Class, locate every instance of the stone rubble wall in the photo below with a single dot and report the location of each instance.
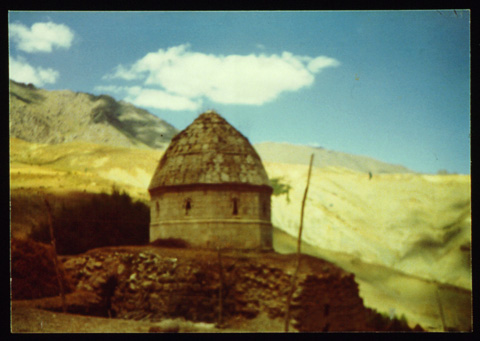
(149, 286)
(340, 309)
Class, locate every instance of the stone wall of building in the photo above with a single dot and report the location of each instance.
(207, 216)
(222, 233)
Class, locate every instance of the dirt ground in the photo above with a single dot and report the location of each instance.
(27, 319)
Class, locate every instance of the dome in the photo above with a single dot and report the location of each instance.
(209, 151)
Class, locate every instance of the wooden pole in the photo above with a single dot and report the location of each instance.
(55, 260)
(299, 245)
(440, 309)
(220, 290)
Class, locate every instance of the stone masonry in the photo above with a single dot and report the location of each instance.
(157, 285)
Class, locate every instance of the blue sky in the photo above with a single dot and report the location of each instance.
(393, 85)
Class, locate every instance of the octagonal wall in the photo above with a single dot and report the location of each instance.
(236, 216)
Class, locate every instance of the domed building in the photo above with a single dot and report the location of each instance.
(211, 189)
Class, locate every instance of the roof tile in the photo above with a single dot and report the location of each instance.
(209, 150)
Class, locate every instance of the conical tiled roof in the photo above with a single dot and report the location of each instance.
(209, 151)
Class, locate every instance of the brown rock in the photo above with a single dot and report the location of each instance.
(147, 284)
(120, 269)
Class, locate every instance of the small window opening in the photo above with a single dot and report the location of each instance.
(188, 206)
(235, 206)
(157, 207)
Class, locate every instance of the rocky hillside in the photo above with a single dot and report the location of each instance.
(296, 154)
(42, 116)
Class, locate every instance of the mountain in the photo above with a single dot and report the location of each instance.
(295, 154)
(42, 116)
(58, 116)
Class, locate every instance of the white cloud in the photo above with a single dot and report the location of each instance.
(41, 37)
(21, 71)
(234, 79)
(110, 88)
(153, 98)
(123, 73)
(160, 99)
(321, 62)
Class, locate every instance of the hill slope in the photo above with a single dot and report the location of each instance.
(295, 154)
(396, 232)
(419, 224)
(42, 116)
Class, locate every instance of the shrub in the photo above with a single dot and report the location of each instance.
(33, 271)
(280, 188)
(382, 322)
(104, 220)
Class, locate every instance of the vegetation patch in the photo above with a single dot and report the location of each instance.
(103, 220)
(383, 322)
(280, 188)
(33, 271)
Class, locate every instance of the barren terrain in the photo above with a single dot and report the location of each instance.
(39, 115)
(405, 236)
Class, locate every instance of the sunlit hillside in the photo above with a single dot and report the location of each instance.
(418, 224)
(300, 154)
(400, 234)
(81, 166)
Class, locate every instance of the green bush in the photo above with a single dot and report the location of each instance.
(104, 220)
(280, 188)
